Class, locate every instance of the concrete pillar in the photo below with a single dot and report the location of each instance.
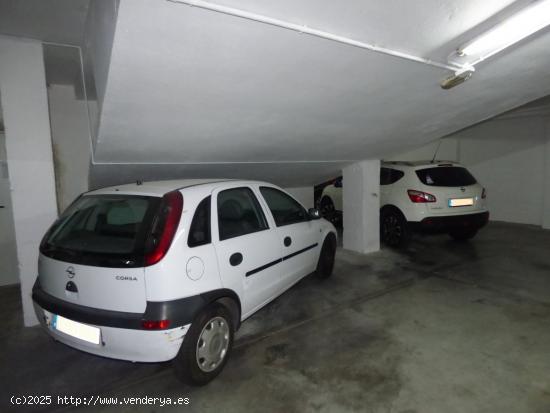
(29, 155)
(546, 179)
(361, 201)
(71, 143)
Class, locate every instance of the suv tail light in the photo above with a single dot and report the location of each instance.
(420, 197)
(484, 194)
(164, 227)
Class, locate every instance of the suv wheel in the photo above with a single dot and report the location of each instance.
(206, 346)
(463, 234)
(394, 230)
(325, 265)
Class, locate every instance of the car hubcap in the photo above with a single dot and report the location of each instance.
(212, 344)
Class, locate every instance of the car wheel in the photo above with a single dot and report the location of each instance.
(394, 230)
(327, 209)
(463, 234)
(325, 265)
(206, 346)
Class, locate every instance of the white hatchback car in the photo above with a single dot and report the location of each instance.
(424, 196)
(162, 270)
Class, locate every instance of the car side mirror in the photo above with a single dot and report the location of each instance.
(314, 213)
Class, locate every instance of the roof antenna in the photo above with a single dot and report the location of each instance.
(436, 150)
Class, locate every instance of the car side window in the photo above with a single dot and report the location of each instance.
(390, 176)
(285, 209)
(396, 175)
(199, 232)
(239, 213)
(385, 176)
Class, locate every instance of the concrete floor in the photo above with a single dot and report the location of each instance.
(443, 327)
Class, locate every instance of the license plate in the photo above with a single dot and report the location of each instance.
(75, 329)
(460, 202)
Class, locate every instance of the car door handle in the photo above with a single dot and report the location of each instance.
(287, 241)
(236, 259)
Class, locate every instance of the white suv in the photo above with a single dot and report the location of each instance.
(430, 197)
(161, 270)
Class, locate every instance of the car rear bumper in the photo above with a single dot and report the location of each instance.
(122, 335)
(121, 343)
(453, 222)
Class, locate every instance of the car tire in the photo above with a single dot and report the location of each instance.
(212, 331)
(463, 234)
(325, 265)
(394, 229)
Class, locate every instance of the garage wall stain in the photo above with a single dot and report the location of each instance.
(59, 172)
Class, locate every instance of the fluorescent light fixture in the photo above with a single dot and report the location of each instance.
(522, 24)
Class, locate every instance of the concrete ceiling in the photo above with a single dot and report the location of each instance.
(58, 21)
(206, 91)
(196, 93)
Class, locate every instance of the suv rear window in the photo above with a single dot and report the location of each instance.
(446, 176)
(102, 230)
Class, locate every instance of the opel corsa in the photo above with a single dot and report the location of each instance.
(168, 270)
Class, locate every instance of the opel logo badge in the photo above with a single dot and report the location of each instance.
(463, 189)
(70, 272)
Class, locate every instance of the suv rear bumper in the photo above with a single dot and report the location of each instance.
(447, 223)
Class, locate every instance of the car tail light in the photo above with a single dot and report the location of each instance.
(420, 197)
(155, 324)
(484, 194)
(164, 227)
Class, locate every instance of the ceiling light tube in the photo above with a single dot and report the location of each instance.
(510, 31)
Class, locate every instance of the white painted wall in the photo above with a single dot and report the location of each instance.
(29, 154)
(303, 194)
(361, 213)
(71, 143)
(509, 155)
(9, 272)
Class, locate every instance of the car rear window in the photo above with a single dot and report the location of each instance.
(102, 230)
(446, 176)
